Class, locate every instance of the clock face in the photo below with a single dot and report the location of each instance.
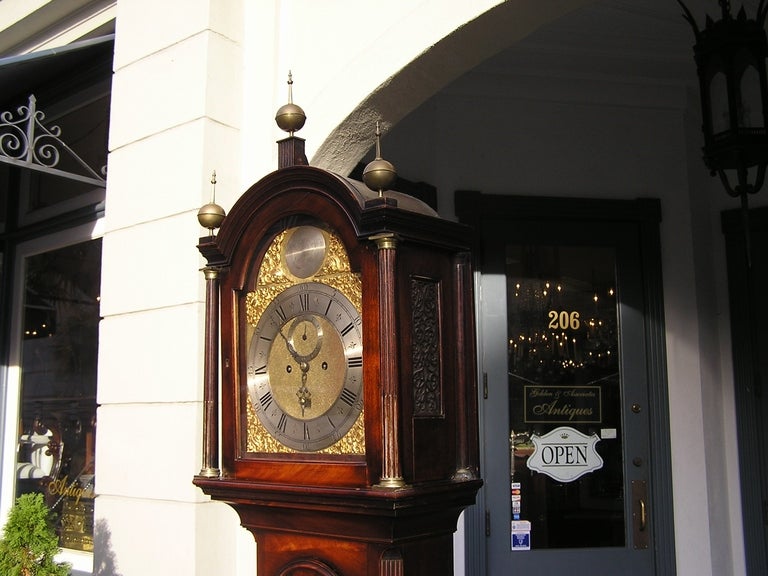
(305, 359)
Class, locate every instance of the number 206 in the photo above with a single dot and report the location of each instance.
(563, 320)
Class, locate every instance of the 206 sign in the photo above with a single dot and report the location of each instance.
(563, 320)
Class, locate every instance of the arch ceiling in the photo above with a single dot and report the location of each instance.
(583, 37)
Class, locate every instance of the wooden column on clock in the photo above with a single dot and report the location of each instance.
(348, 376)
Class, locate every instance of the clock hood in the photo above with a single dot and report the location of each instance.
(310, 191)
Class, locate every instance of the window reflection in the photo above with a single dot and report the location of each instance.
(58, 401)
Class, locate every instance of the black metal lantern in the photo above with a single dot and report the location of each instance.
(730, 56)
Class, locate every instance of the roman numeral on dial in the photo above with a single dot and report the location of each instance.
(266, 400)
(348, 397)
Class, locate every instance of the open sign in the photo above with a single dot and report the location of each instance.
(565, 454)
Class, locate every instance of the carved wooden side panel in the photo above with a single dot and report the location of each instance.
(427, 381)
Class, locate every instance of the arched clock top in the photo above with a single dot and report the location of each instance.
(347, 205)
(291, 193)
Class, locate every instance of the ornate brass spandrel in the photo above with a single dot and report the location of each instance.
(273, 278)
(260, 441)
(258, 300)
(348, 284)
(336, 260)
(272, 270)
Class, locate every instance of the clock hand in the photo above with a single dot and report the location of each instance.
(301, 358)
(287, 344)
(303, 393)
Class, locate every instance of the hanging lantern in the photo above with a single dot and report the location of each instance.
(730, 57)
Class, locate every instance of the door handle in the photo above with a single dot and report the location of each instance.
(640, 533)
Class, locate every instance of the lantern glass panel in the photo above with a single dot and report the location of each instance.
(750, 108)
(718, 99)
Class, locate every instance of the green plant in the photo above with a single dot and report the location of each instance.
(29, 541)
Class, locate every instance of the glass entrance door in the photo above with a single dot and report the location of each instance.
(564, 396)
(566, 433)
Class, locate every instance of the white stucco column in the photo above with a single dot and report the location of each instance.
(176, 109)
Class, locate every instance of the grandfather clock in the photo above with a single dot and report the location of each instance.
(348, 388)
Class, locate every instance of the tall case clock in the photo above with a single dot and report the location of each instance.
(347, 373)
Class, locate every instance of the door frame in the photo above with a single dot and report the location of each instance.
(749, 372)
(480, 210)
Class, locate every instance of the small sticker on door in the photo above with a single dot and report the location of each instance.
(521, 535)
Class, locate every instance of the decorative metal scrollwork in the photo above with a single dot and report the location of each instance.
(25, 141)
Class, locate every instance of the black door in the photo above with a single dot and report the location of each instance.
(748, 284)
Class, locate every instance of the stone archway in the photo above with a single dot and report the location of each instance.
(430, 70)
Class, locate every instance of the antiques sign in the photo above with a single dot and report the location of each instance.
(563, 404)
(564, 454)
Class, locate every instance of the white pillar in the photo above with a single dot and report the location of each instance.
(176, 115)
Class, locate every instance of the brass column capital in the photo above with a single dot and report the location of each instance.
(385, 240)
(211, 273)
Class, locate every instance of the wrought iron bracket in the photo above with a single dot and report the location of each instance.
(26, 142)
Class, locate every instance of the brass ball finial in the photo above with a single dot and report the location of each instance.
(290, 117)
(379, 174)
(211, 215)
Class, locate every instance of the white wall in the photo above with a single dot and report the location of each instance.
(358, 62)
(176, 113)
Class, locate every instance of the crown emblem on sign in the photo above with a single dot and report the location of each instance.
(564, 435)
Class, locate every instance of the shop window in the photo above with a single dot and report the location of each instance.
(51, 205)
(57, 421)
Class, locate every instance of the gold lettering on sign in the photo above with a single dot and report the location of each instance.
(555, 409)
(552, 404)
(63, 488)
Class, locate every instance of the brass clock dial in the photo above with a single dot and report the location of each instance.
(305, 359)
